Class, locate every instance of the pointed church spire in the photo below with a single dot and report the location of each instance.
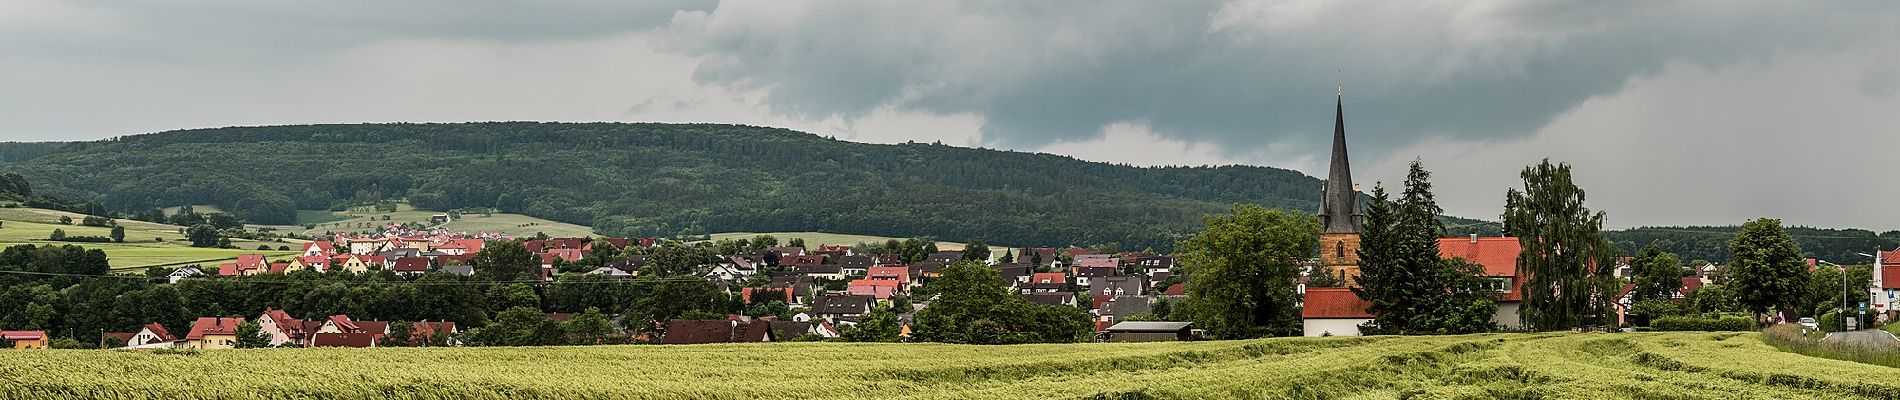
(1339, 203)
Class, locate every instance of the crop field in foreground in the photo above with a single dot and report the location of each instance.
(1557, 365)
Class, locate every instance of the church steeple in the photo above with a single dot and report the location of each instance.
(1339, 202)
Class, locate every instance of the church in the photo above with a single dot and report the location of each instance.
(1339, 214)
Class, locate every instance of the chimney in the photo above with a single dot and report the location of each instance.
(1474, 238)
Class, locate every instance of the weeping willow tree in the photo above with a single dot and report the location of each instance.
(1563, 246)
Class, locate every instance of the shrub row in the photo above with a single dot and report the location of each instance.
(1702, 324)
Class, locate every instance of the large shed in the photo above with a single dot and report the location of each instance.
(1149, 331)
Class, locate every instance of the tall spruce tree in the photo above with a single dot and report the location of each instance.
(1563, 245)
(1768, 272)
(1408, 286)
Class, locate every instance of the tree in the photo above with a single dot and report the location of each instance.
(251, 336)
(1009, 257)
(1768, 272)
(602, 252)
(877, 326)
(1657, 274)
(591, 327)
(798, 242)
(400, 334)
(203, 235)
(977, 251)
(520, 326)
(507, 260)
(973, 306)
(65, 220)
(118, 233)
(1243, 265)
(1563, 245)
(1824, 291)
(1408, 286)
(58, 235)
(519, 295)
(1714, 298)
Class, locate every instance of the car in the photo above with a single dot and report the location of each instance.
(1809, 323)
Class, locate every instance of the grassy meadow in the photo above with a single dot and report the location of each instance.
(363, 219)
(1676, 365)
(146, 244)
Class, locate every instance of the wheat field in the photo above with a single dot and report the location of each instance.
(1512, 366)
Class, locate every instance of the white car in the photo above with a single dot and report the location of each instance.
(1810, 323)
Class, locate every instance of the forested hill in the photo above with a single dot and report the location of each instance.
(659, 179)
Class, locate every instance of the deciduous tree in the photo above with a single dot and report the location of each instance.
(1242, 268)
(1768, 272)
(1563, 248)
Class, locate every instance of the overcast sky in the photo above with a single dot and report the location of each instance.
(1673, 112)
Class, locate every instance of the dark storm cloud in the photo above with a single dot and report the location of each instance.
(1238, 74)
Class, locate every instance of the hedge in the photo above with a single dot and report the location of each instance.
(1702, 324)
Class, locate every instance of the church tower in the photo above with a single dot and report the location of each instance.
(1339, 213)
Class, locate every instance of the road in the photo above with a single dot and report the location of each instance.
(1868, 337)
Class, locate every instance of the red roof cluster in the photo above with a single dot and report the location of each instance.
(213, 326)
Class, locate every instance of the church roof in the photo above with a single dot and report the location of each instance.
(1339, 202)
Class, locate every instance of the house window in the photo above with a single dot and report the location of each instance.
(1339, 250)
(1501, 285)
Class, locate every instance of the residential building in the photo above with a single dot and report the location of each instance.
(1498, 257)
(212, 333)
(26, 339)
(1333, 312)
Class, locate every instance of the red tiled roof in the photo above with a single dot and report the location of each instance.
(684, 331)
(279, 267)
(1334, 303)
(1890, 276)
(1890, 258)
(1498, 255)
(22, 335)
(411, 264)
(1048, 277)
(1176, 290)
(343, 340)
(902, 273)
(124, 337)
(213, 326)
(160, 331)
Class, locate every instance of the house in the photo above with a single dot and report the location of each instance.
(1153, 265)
(26, 339)
(1333, 312)
(212, 333)
(421, 331)
(1885, 288)
(1103, 261)
(925, 269)
(1051, 298)
(1084, 276)
(318, 248)
(800, 286)
(1118, 286)
(855, 265)
(1498, 256)
(898, 273)
(826, 272)
(459, 247)
(1044, 282)
(690, 331)
(1014, 275)
(1119, 307)
(313, 263)
(281, 328)
(804, 260)
(183, 273)
(837, 306)
(944, 256)
(410, 265)
(151, 336)
(1150, 331)
(764, 293)
(878, 288)
(359, 263)
(365, 245)
(246, 264)
(341, 331)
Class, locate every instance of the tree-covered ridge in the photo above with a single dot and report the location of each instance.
(1711, 243)
(664, 179)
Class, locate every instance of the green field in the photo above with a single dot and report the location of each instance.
(358, 220)
(142, 247)
(814, 239)
(1519, 366)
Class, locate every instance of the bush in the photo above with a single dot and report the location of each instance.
(83, 239)
(1702, 324)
